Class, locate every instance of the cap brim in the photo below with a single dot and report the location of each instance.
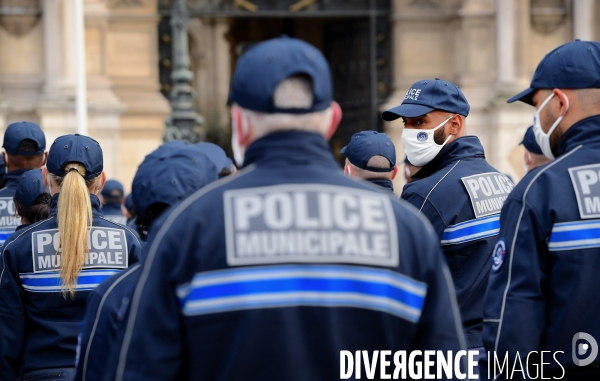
(525, 96)
(343, 150)
(405, 110)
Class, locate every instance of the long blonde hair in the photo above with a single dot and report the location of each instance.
(74, 221)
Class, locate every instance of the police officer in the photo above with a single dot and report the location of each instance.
(457, 190)
(32, 199)
(112, 198)
(129, 211)
(371, 156)
(51, 266)
(261, 274)
(533, 156)
(544, 284)
(24, 145)
(166, 176)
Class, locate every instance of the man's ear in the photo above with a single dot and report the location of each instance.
(563, 99)
(45, 158)
(336, 118)
(44, 175)
(242, 133)
(456, 123)
(394, 171)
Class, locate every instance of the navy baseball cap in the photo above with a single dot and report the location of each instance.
(216, 154)
(366, 144)
(427, 95)
(574, 65)
(530, 143)
(17, 132)
(75, 148)
(264, 66)
(30, 187)
(170, 175)
(113, 189)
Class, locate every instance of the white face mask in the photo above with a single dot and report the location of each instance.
(419, 145)
(542, 138)
(236, 149)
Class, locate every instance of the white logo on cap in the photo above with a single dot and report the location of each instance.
(413, 94)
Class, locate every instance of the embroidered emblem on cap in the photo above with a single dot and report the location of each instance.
(422, 136)
(498, 255)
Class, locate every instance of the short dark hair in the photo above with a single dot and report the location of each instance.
(28, 145)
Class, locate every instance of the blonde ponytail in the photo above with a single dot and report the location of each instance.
(74, 220)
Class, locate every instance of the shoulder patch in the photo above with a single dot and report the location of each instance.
(498, 255)
(309, 223)
(108, 249)
(487, 192)
(586, 183)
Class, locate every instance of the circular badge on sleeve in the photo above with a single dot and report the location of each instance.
(422, 136)
(498, 255)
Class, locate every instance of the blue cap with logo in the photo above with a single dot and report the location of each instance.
(169, 174)
(264, 66)
(216, 154)
(30, 187)
(75, 148)
(427, 95)
(113, 189)
(530, 143)
(366, 144)
(17, 132)
(574, 65)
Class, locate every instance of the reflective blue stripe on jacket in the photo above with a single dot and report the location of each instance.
(38, 325)
(440, 195)
(213, 317)
(546, 282)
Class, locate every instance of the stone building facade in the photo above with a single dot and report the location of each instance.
(490, 48)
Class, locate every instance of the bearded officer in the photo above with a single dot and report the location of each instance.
(457, 190)
(261, 274)
(544, 285)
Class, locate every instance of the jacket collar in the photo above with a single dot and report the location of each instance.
(586, 131)
(384, 183)
(291, 148)
(461, 148)
(96, 210)
(11, 179)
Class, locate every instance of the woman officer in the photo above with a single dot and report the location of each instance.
(51, 266)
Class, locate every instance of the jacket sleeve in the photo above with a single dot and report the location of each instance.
(152, 347)
(91, 311)
(515, 306)
(440, 326)
(427, 209)
(12, 319)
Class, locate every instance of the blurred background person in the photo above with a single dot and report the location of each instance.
(218, 156)
(533, 155)
(371, 156)
(112, 198)
(24, 146)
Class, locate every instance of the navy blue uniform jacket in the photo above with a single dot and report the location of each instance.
(466, 227)
(545, 278)
(269, 274)
(9, 219)
(38, 325)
